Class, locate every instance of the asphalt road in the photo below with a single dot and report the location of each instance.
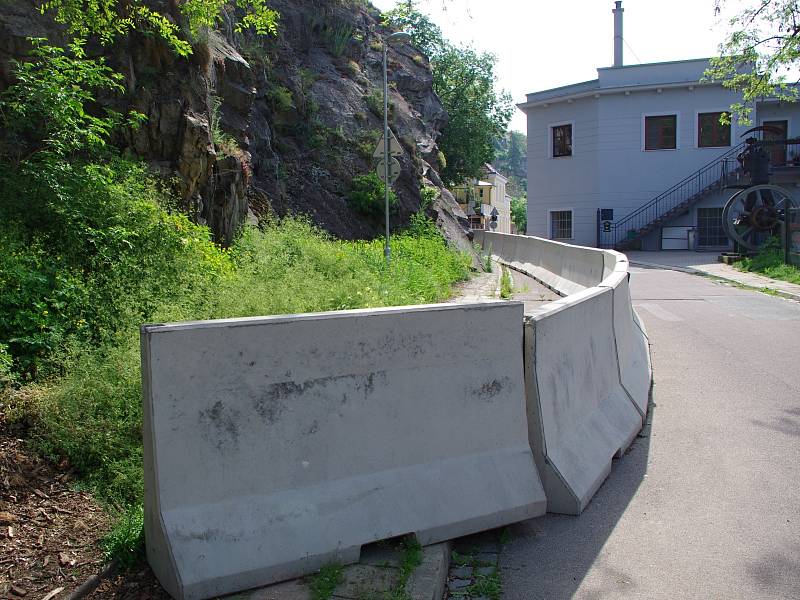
(707, 505)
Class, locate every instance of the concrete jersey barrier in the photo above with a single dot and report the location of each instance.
(579, 415)
(564, 268)
(276, 445)
(587, 364)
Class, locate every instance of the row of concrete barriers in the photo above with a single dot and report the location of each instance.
(587, 364)
(276, 445)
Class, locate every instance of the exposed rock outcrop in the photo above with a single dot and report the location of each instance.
(249, 125)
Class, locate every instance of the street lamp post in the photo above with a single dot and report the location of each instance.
(398, 37)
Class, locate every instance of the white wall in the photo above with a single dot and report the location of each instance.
(609, 167)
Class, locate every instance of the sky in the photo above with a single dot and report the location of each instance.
(541, 44)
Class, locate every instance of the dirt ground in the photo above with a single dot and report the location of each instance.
(50, 533)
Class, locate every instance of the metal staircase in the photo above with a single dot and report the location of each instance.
(677, 200)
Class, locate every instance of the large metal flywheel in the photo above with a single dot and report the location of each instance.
(755, 214)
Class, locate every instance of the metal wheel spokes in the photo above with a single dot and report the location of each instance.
(752, 215)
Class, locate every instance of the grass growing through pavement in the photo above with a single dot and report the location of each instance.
(487, 585)
(323, 583)
(506, 289)
(769, 262)
(410, 559)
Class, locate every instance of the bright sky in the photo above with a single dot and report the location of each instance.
(541, 44)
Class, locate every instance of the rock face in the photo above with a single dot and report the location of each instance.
(250, 125)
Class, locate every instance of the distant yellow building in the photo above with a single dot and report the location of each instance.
(482, 198)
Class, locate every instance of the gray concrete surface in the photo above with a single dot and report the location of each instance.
(705, 505)
(276, 445)
(705, 263)
(563, 267)
(579, 414)
(376, 576)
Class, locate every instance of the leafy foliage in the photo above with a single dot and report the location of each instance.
(769, 262)
(519, 213)
(761, 48)
(91, 249)
(50, 107)
(511, 158)
(465, 82)
(110, 19)
(368, 196)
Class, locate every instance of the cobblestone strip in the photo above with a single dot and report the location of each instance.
(474, 568)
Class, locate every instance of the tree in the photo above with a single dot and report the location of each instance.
(519, 213)
(759, 52)
(465, 82)
(511, 159)
(109, 19)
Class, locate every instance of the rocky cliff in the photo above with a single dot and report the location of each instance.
(251, 126)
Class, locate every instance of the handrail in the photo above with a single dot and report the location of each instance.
(709, 174)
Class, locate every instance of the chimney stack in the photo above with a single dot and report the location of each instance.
(618, 33)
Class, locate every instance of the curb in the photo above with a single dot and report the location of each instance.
(701, 273)
(428, 580)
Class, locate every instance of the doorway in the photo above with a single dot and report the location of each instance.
(777, 152)
(710, 232)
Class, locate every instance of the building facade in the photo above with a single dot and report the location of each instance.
(482, 198)
(642, 136)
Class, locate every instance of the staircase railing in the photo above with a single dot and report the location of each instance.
(714, 173)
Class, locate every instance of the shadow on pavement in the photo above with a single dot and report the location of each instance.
(548, 557)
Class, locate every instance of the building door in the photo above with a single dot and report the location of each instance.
(777, 153)
(709, 228)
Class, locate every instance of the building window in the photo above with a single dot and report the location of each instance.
(562, 140)
(661, 132)
(561, 224)
(710, 132)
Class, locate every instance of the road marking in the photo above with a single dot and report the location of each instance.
(659, 312)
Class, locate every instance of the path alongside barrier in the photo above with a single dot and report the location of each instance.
(276, 445)
(587, 364)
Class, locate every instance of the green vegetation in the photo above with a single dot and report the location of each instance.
(224, 143)
(506, 289)
(465, 81)
(368, 195)
(511, 159)
(411, 559)
(110, 19)
(93, 247)
(519, 213)
(337, 37)
(281, 98)
(324, 583)
(769, 262)
(761, 48)
(484, 584)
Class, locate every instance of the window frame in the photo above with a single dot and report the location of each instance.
(550, 212)
(697, 115)
(663, 113)
(551, 138)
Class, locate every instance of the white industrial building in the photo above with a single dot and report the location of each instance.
(639, 155)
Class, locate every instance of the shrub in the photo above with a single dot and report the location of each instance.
(367, 195)
(280, 98)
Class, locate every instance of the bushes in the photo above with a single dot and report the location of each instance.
(88, 252)
(368, 195)
(769, 262)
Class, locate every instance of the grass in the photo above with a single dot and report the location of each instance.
(323, 583)
(506, 288)
(92, 415)
(487, 585)
(769, 262)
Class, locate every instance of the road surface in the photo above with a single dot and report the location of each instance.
(707, 505)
